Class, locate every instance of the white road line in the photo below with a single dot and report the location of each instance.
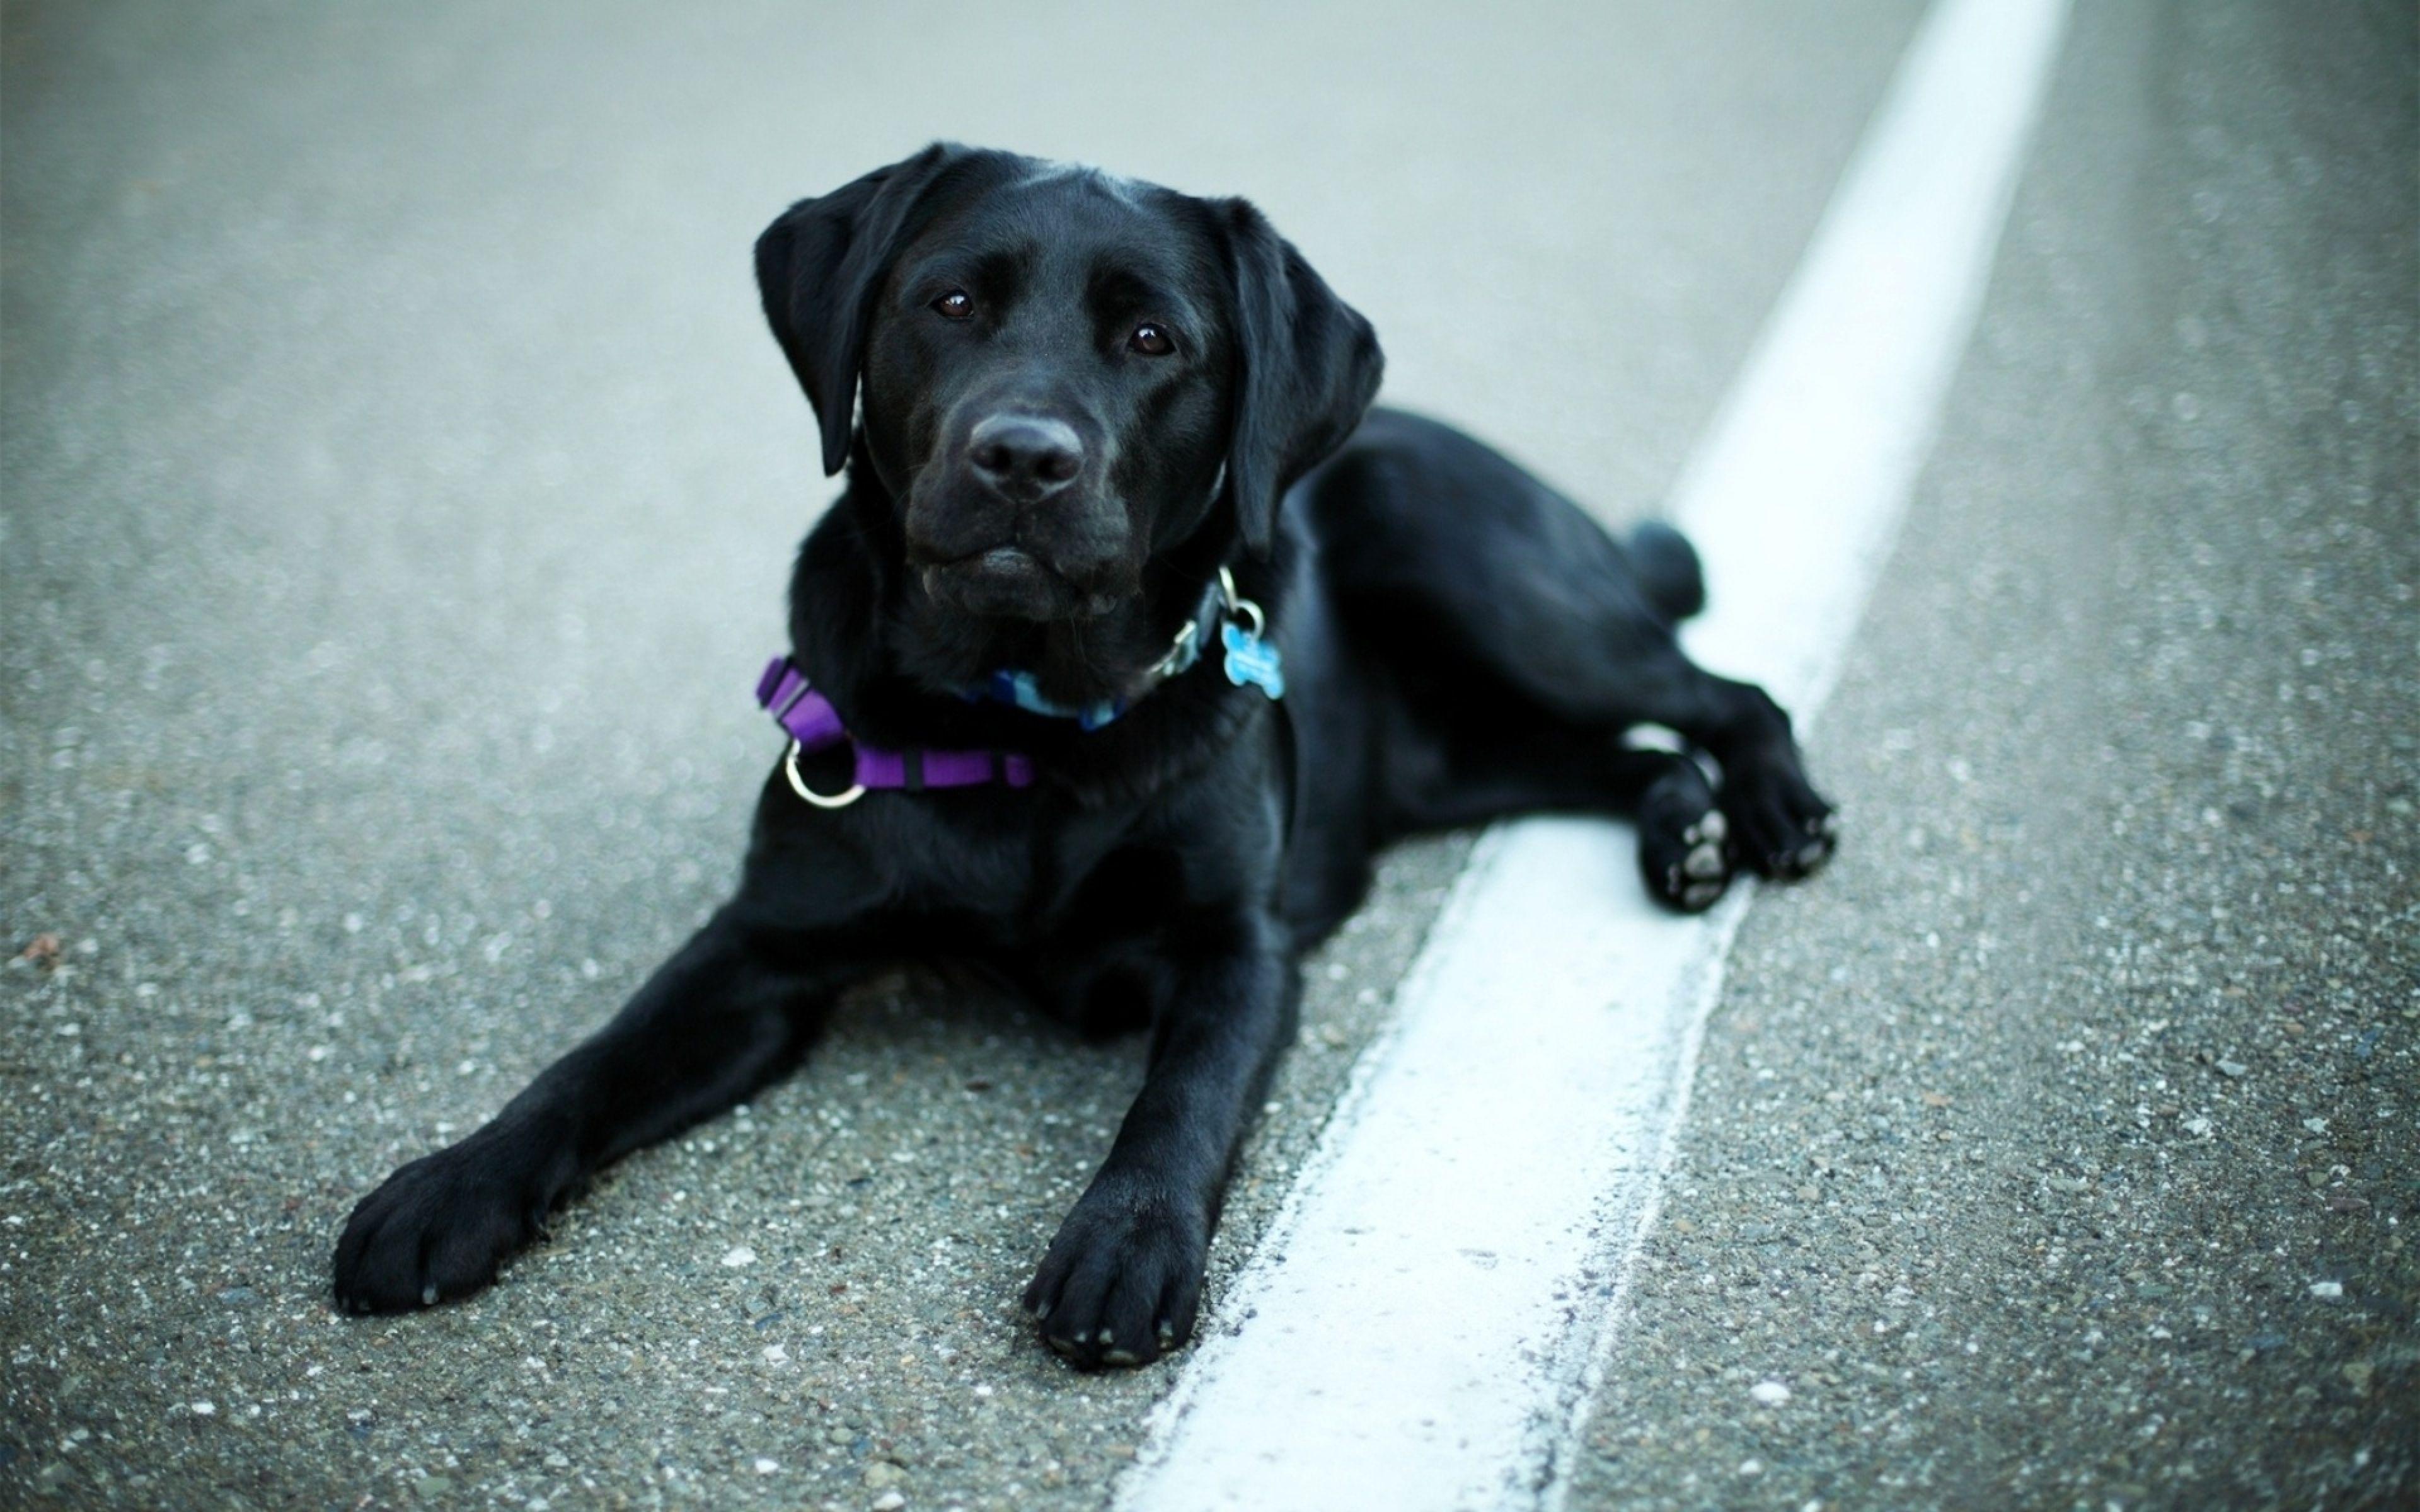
(1428, 1316)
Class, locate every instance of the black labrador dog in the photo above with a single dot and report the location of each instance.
(1134, 633)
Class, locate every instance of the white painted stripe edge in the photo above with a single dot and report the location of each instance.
(2034, 59)
(1782, 419)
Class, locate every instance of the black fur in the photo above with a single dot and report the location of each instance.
(1460, 642)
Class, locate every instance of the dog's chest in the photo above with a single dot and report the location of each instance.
(1029, 875)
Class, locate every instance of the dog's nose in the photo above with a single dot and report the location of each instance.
(1026, 456)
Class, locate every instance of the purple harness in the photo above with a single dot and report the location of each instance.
(813, 725)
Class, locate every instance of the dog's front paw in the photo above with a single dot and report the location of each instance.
(1779, 824)
(437, 1228)
(1123, 1280)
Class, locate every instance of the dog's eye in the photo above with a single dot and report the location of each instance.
(957, 304)
(1152, 341)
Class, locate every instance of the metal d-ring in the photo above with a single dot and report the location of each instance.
(799, 785)
(1179, 655)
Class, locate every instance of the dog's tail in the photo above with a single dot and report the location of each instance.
(1667, 569)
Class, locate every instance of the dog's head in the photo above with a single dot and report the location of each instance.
(1057, 367)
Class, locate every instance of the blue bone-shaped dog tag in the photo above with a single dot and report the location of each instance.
(1251, 659)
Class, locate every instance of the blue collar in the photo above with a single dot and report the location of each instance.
(1236, 620)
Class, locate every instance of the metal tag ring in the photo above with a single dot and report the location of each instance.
(1238, 604)
(799, 785)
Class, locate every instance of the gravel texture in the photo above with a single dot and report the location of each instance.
(2059, 1149)
(395, 492)
(396, 488)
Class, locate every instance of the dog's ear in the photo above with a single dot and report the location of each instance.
(1307, 368)
(818, 268)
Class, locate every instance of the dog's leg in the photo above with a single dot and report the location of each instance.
(731, 1011)
(1123, 1279)
(1776, 822)
(1458, 560)
(1469, 775)
(1543, 647)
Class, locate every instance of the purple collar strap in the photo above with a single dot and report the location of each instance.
(812, 724)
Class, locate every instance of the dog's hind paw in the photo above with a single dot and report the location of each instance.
(1780, 825)
(1683, 849)
(1703, 873)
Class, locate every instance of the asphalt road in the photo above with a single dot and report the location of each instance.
(2058, 1148)
(397, 489)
